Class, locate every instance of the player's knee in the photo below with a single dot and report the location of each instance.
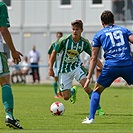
(99, 88)
(66, 98)
(88, 90)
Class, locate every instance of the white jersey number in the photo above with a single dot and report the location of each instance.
(116, 35)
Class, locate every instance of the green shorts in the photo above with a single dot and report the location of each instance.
(4, 68)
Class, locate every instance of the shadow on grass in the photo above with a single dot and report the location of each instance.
(119, 114)
(106, 114)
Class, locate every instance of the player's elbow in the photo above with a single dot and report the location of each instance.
(93, 59)
(4, 30)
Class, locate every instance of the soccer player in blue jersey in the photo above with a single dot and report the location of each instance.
(70, 47)
(118, 62)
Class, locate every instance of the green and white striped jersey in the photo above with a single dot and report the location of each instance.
(4, 21)
(70, 52)
(57, 61)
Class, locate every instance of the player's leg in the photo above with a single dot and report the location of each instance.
(89, 91)
(7, 96)
(7, 99)
(94, 103)
(65, 81)
(55, 85)
(73, 91)
(108, 76)
(127, 74)
(95, 99)
(59, 93)
(80, 76)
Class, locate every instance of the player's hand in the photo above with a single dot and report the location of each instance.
(16, 57)
(87, 83)
(50, 72)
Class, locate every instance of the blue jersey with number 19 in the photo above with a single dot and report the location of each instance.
(114, 41)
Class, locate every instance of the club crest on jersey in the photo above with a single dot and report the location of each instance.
(72, 53)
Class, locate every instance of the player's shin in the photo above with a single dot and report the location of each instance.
(72, 91)
(95, 98)
(90, 94)
(7, 98)
(55, 88)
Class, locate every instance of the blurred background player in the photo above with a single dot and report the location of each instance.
(57, 92)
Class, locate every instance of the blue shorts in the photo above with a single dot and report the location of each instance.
(109, 74)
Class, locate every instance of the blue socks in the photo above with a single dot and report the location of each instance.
(99, 107)
(95, 98)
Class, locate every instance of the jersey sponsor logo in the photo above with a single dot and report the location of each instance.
(72, 56)
(118, 51)
(72, 53)
(70, 60)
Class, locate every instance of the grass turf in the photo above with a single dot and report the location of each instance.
(32, 103)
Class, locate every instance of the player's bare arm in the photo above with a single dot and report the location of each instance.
(131, 39)
(93, 63)
(99, 64)
(8, 39)
(49, 56)
(51, 63)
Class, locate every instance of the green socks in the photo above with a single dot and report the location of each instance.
(55, 85)
(7, 99)
(90, 95)
(72, 91)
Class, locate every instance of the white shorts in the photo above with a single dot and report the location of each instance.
(65, 79)
(55, 72)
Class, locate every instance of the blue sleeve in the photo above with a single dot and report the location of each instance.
(129, 32)
(96, 41)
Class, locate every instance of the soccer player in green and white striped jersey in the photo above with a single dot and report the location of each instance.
(7, 95)
(57, 92)
(70, 47)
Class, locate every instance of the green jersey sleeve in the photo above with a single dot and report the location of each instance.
(51, 48)
(59, 46)
(4, 19)
(88, 48)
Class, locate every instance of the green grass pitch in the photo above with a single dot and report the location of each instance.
(32, 103)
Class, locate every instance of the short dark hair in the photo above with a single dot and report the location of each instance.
(77, 23)
(107, 17)
(61, 33)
